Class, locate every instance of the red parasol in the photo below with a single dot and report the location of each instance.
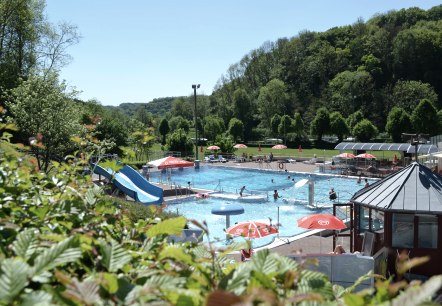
(170, 162)
(280, 146)
(252, 229)
(366, 156)
(213, 148)
(346, 155)
(321, 221)
(240, 146)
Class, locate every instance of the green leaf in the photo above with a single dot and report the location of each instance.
(56, 255)
(86, 293)
(25, 244)
(13, 279)
(265, 262)
(114, 256)
(36, 298)
(237, 283)
(40, 212)
(169, 227)
(110, 282)
(415, 295)
(176, 253)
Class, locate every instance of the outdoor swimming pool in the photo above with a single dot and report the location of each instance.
(231, 179)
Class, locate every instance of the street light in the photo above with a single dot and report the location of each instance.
(197, 164)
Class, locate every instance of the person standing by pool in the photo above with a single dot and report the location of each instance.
(242, 190)
(275, 195)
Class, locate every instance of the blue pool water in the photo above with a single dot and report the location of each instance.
(256, 182)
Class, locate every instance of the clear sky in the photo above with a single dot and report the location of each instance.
(138, 50)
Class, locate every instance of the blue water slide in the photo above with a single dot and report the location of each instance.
(106, 173)
(133, 184)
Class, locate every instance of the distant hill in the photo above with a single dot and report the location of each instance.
(158, 107)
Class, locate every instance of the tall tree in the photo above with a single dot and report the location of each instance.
(213, 126)
(365, 131)
(43, 108)
(298, 125)
(236, 129)
(398, 122)
(321, 123)
(164, 129)
(273, 98)
(29, 42)
(408, 94)
(424, 118)
(338, 126)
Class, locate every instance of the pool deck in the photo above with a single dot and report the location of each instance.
(308, 242)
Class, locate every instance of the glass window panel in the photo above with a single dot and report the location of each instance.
(363, 219)
(427, 232)
(378, 220)
(403, 230)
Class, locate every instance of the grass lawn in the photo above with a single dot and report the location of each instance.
(294, 153)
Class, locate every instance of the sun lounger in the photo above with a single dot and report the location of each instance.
(292, 161)
(310, 161)
(221, 159)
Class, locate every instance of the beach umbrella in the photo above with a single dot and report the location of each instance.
(280, 146)
(366, 156)
(170, 162)
(240, 146)
(213, 148)
(321, 221)
(346, 155)
(252, 229)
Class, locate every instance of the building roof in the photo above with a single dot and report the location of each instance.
(413, 189)
(406, 147)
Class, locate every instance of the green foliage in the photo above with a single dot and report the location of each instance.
(236, 129)
(226, 143)
(338, 126)
(408, 94)
(164, 129)
(364, 131)
(424, 118)
(179, 122)
(398, 122)
(321, 123)
(272, 99)
(43, 108)
(213, 126)
(354, 119)
(179, 141)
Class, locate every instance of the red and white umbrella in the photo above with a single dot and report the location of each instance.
(252, 229)
(170, 162)
(280, 146)
(366, 156)
(213, 148)
(321, 221)
(346, 155)
(240, 146)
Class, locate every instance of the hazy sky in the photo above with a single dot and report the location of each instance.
(138, 50)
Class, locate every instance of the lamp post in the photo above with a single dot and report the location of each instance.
(197, 162)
